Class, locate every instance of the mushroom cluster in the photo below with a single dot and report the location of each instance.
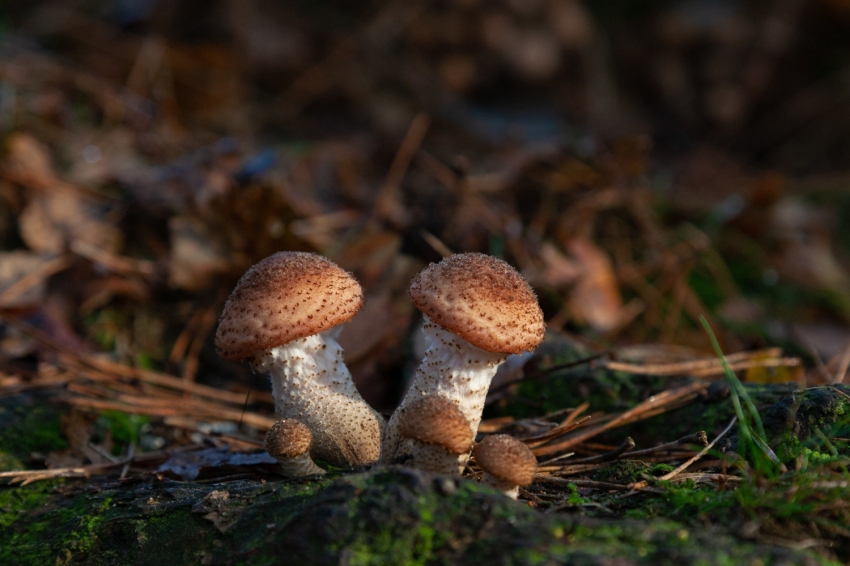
(477, 309)
(285, 315)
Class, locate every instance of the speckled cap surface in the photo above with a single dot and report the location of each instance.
(436, 420)
(481, 299)
(288, 439)
(506, 458)
(286, 296)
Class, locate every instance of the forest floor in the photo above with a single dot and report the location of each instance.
(663, 176)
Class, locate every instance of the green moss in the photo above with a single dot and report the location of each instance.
(553, 390)
(85, 518)
(661, 469)
(801, 425)
(27, 426)
(54, 533)
(104, 325)
(9, 463)
(711, 413)
(125, 429)
(16, 501)
(389, 516)
(177, 537)
(622, 471)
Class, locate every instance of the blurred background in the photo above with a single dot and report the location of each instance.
(641, 163)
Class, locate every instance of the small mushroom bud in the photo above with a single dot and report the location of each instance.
(288, 441)
(478, 309)
(285, 315)
(507, 463)
(438, 431)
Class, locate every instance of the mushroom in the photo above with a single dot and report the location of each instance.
(439, 433)
(288, 441)
(478, 310)
(285, 315)
(507, 463)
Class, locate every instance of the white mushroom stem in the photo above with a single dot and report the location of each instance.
(508, 488)
(311, 383)
(435, 458)
(453, 368)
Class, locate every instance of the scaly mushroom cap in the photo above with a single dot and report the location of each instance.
(286, 296)
(288, 439)
(506, 458)
(436, 420)
(481, 299)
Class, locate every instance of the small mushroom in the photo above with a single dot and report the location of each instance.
(439, 433)
(507, 463)
(288, 441)
(285, 315)
(478, 309)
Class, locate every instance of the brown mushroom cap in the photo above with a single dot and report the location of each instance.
(506, 458)
(481, 299)
(288, 438)
(436, 420)
(286, 296)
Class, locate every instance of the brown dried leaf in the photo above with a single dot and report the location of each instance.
(595, 299)
(76, 427)
(52, 221)
(558, 270)
(196, 257)
(16, 270)
(29, 156)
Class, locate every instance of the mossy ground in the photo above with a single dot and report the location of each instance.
(400, 516)
(389, 516)
(28, 424)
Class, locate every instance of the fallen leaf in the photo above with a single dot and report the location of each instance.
(21, 283)
(595, 299)
(52, 221)
(196, 258)
(558, 270)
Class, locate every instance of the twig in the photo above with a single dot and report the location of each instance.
(386, 202)
(701, 453)
(555, 459)
(113, 262)
(205, 326)
(597, 484)
(102, 453)
(655, 405)
(608, 456)
(576, 412)
(555, 432)
(109, 367)
(142, 406)
(40, 273)
(696, 438)
(436, 243)
(550, 370)
(577, 469)
(843, 366)
(30, 476)
(131, 452)
(706, 477)
(703, 368)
